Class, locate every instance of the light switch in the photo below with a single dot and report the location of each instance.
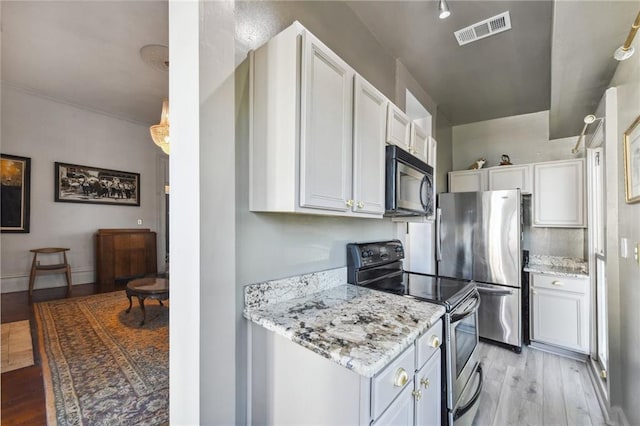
(139, 221)
(624, 248)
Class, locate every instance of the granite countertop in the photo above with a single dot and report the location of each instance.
(560, 266)
(357, 328)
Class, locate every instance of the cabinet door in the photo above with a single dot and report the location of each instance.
(369, 126)
(558, 194)
(510, 177)
(427, 387)
(560, 318)
(419, 145)
(468, 181)
(400, 412)
(326, 128)
(398, 126)
(432, 152)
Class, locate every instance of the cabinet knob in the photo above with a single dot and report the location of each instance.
(558, 283)
(435, 342)
(417, 394)
(401, 377)
(350, 203)
(534, 292)
(425, 382)
(360, 205)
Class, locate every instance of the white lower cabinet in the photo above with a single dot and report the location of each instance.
(560, 311)
(289, 384)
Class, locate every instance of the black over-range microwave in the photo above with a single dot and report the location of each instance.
(409, 188)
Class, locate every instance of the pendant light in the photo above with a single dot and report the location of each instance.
(443, 9)
(160, 131)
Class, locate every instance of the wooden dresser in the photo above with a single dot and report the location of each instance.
(123, 254)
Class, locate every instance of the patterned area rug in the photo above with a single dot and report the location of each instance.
(99, 366)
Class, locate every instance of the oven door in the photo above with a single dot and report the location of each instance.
(414, 190)
(462, 343)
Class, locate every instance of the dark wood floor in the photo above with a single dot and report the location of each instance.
(23, 400)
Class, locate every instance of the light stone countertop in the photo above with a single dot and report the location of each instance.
(556, 265)
(360, 329)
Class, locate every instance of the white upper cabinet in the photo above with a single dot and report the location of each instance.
(432, 152)
(398, 127)
(316, 138)
(326, 128)
(419, 143)
(468, 181)
(369, 127)
(511, 177)
(558, 194)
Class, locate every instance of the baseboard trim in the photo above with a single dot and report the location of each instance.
(621, 417)
(15, 282)
(559, 351)
(601, 394)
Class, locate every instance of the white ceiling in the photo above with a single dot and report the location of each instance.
(87, 53)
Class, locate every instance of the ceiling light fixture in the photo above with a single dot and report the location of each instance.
(160, 131)
(443, 9)
(626, 51)
(589, 119)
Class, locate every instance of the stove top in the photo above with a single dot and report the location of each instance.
(444, 291)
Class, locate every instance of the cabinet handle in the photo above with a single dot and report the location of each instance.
(417, 394)
(425, 382)
(558, 283)
(401, 378)
(435, 342)
(350, 203)
(360, 205)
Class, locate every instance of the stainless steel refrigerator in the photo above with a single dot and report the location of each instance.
(478, 237)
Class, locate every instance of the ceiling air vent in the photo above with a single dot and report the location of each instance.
(482, 29)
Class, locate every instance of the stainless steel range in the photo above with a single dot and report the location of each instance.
(378, 266)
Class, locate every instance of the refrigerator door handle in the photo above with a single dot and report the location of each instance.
(438, 239)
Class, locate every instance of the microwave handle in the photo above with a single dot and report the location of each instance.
(422, 203)
(438, 239)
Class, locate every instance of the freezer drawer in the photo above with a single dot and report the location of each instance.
(499, 315)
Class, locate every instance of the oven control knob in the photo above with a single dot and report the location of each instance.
(435, 342)
(401, 377)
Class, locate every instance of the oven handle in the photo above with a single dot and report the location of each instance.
(463, 410)
(459, 317)
(372, 280)
(438, 237)
(492, 292)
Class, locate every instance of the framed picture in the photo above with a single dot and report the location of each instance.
(15, 175)
(94, 185)
(632, 162)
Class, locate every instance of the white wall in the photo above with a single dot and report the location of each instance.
(525, 138)
(47, 131)
(624, 393)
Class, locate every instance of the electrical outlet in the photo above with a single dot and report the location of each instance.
(139, 221)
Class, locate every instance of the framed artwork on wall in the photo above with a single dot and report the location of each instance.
(15, 176)
(632, 162)
(94, 185)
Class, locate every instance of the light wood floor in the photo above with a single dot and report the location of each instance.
(535, 388)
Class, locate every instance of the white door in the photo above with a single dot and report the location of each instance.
(326, 128)
(558, 194)
(560, 318)
(398, 127)
(419, 144)
(427, 383)
(369, 127)
(400, 412)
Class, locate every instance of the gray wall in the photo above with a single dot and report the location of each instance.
(444, 136)
(525, 138)
(47, 130)
(404, 82)
(625, 392)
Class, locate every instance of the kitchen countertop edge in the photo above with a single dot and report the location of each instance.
(368, 366)
(555, 270)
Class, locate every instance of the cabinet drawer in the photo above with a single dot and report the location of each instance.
(388, 384)
(577, 285)
(428, 344)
